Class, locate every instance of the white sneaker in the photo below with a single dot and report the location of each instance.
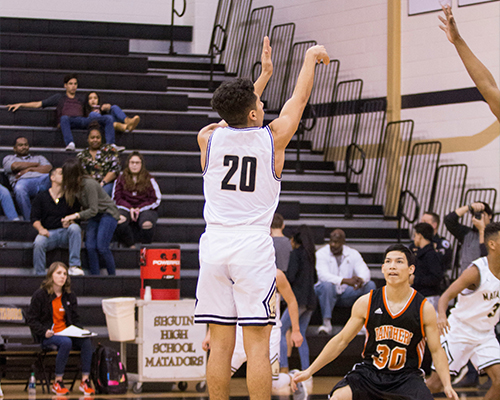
(70, 146)
(119, 149)
(75, 271)
(325, 329)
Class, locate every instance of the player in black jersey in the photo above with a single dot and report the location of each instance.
(398, 321)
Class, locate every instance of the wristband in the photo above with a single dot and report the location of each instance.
(471, 209)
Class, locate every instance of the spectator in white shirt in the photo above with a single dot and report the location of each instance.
(343, 277)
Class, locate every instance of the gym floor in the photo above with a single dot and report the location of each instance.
(322, 387)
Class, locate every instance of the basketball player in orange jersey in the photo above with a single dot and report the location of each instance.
(398, 322)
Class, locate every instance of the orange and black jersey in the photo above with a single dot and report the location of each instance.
(394, 343)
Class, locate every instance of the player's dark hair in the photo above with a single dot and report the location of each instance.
(490, 231)
(68, 77)
(425, 230)
(435, 217)
(304, 237)
(233, 100)
(278, 221)
(52, 171)
(402, 249)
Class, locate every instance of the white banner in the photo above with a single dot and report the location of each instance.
(424, 6)
(462, 3)
(172, 342)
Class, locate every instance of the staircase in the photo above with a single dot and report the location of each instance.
(171, 95)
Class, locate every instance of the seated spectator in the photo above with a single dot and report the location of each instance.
(137, 196)
(343, 277)
(428, 266)
(99, 160)
(9, 209)
(48, 209)
(471, 239)
(97, 208)
(69, 112)
(282, 245)
(28, 175)
(301, 275)
(52, 309)
(441, 244)
(122, 123)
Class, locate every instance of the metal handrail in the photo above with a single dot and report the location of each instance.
(402, 214)
(349, 158)
(175, 12)
(310, 110)
(215, 51)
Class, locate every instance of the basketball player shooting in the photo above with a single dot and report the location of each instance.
(242, 162)
(398, 322)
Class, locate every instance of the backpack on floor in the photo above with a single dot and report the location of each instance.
(107, 372)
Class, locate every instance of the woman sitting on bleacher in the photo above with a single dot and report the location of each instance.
(100, 160)
(137, 196)
(52, 309)
(122, 123)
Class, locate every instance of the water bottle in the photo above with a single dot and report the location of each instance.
(32, 386)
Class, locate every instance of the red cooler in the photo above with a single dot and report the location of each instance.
(161, 270)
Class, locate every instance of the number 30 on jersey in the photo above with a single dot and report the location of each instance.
(247, 173)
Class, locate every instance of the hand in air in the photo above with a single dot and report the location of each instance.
(265, 58)
(319, 53)
(449, 25)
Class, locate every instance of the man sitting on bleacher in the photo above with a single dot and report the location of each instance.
(69, 111)
(28, 174)
(343, 277)
(48, 210)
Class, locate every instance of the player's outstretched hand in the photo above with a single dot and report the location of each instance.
(449, 25)
(265, 58)
(442, 324)
(319, 53)
(450, 393)
(300, 377)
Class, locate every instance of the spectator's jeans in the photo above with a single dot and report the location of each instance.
(124, 231)
(115, 111)
(68, 123)
(99, 233)
(70, 237)
(64, 345)
(106, 121)
(26, 188)
(108, 188)
(328, 296)
(8, 206)
(286, 324)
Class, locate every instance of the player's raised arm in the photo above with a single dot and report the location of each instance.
(286, 124)
(286, 292)
(267, 68)
(339, 342)
(438, 354)
(470, 279)
(481, 76)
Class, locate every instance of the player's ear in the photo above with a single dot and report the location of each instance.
(252, 115)
(412, 269)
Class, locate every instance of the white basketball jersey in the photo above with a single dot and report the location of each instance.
(239, 181)
(479, 308)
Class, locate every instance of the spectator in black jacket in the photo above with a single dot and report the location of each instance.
(428, 267)
(52, 309)
(471, 239)
(441, 244)
(301, 274)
